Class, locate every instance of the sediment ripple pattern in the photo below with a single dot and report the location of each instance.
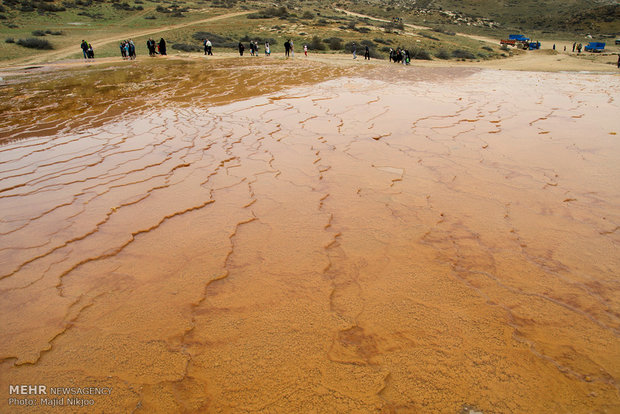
(445, 241)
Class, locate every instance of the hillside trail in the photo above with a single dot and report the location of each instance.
(418, 27)
(68, 51)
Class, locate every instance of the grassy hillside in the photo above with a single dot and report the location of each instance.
(61, 25)
(571, 16)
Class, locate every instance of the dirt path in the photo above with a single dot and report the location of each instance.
(68, 51)
(417, 27)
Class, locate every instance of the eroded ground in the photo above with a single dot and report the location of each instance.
(400, 240)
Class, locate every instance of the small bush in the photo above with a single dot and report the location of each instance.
(428, 36)
(420, 54)
(269, 13)
(382, 41)
(308, 15)
(463, 54)
(316, 44)
(334, 43)
(39, 33)
(49, 7)
(368, 43)
(487, 48)
(9, 40)
(150, 18)
(184, 47)
(444, 31)
(442, 54)
(33, 43)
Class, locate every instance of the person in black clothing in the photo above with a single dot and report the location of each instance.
(618, 60)
(84, 47)
(150, 45)
(132, 50)
(162, 47)
(287, 48)
(241, 49)
(367, 53)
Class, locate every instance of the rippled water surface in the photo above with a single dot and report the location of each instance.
(299, 238)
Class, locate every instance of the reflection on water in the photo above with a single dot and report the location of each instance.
(443, 241)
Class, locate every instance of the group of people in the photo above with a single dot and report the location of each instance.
(128, 50)
(87, 49)
(254, 48)
(289, 48)
(400, 56)
(156, 48)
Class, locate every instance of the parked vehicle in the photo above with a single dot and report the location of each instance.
(595, 47)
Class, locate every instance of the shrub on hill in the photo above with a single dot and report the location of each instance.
(463, 54)
(419, 54)
(316, 44)
(443, 54)
(334, 43)
(269, 13)
(184, 47)
(33, 43)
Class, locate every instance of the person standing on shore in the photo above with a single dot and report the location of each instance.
(204, 44)
(618, 60)
(241, 49)
(84, 47)
(132, 50)
(287, 48)
(306, 50)
(150, 44)
(367, 53)
(354, 50)
(574, 44)
(292, 48)
(209, 48)
(162, 47)
(267, 49)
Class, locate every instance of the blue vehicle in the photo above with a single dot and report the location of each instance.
(518, 38)
(534, 45)
(595, 47)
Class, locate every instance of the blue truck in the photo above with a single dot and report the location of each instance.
(595, 47)
(518, 38)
